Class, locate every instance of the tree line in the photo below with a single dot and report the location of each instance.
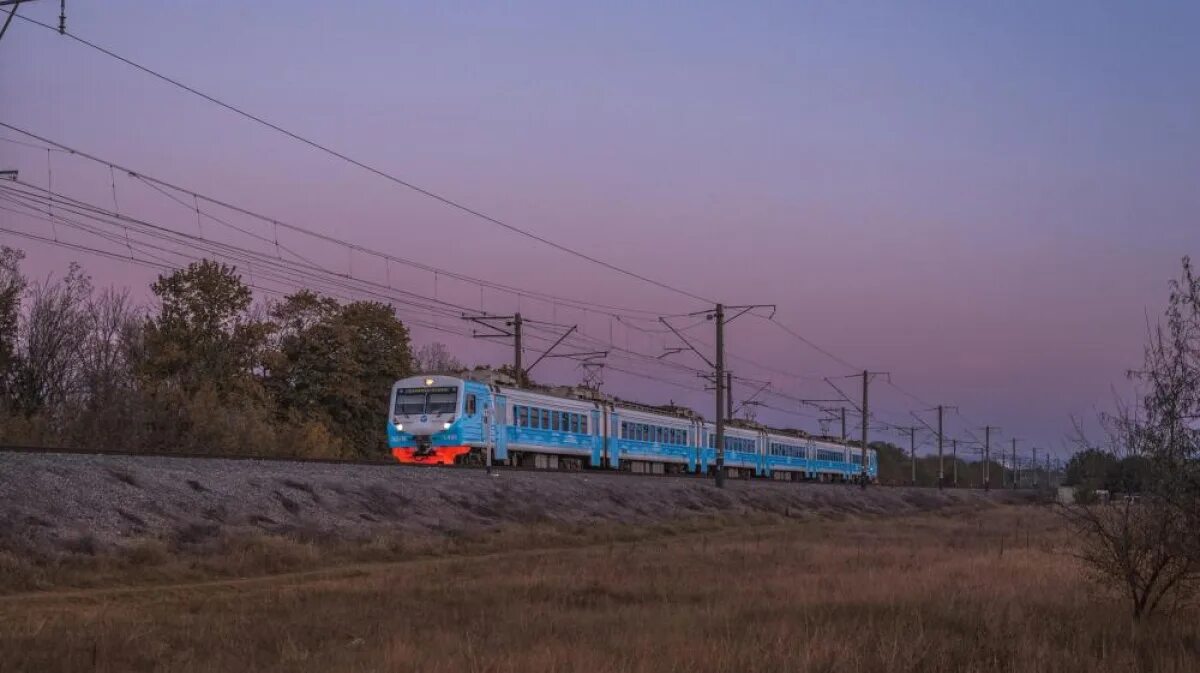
(204, 369)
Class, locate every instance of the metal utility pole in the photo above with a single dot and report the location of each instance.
(911, 431)
(517, 368)
(864, 410)
(941, 439)
(941, 462)
(866, 422)
(512, 329)
(841, 411)
(987, 456)
(1035, 469)
(717, 314)
(1016, 471)
(954, 456)
(62, 14)
(728, 394)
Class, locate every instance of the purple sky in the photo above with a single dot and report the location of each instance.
(985, 201)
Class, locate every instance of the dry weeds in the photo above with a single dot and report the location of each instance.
(968, 592)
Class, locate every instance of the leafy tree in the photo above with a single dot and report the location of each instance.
(203, 334)
(337, 363)
(1131, 474)
(1090, 469)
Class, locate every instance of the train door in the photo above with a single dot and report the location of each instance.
(613, 448)
(762, 455)
(596, 433)
(499, 426)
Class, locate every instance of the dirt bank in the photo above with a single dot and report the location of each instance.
(74, 503)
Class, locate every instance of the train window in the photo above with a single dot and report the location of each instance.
(833, 456)
(470, 410)
(522, 417)
(410, 402)
(442, 403)
(583, 424)
(556, 421)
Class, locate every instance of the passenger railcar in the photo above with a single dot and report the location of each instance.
(446, 420)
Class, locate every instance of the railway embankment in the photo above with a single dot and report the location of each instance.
(70, 503)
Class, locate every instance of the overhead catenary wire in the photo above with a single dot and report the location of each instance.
(445, 200)
(277, 222)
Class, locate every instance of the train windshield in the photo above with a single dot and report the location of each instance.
(410, 401)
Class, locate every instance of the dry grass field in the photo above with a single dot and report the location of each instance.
(956, 592)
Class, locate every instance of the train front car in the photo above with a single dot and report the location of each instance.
(434, 420)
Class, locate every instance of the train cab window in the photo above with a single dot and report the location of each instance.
(470, 406)
(442, 402)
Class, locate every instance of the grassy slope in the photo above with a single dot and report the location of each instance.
(983, 591)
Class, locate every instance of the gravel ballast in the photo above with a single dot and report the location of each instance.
(56, 502)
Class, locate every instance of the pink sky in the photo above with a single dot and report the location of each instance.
(985, 202)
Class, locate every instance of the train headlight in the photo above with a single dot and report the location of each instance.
(446, 426)
(399, 427)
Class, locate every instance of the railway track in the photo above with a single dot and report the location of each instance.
(392, 464)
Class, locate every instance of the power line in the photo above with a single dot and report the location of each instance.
(445, 200)
(161, 185)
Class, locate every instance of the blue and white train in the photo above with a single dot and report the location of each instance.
(446, 420)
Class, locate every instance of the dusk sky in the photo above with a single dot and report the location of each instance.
(985, 199)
